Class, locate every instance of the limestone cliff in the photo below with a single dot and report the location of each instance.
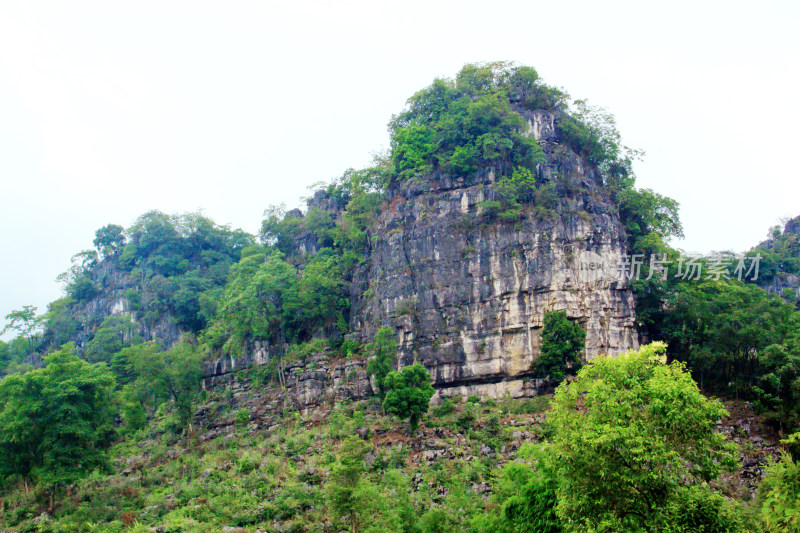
(466, 294)
(467, 297)
(780, 262)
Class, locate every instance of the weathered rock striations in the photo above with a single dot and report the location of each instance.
(780, 281)
(467, 295)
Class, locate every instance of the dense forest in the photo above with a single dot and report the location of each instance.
(108, 421)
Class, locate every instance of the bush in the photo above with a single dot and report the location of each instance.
(779, 494)
(563, 344)
(242, 418)
(249, 461)
(447, 408)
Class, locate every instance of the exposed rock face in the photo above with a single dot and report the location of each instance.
(316, 381)
(783, 280)
(467, 297)
(111, 300)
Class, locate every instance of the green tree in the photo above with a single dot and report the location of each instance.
(114, 333)
(61, 324)
(384, 349)
(408, 393)
(526, 497)
(172, 376)
(138, 392)
(648, 218)
(629, 433)
(109, 240)
(323, 292)
(719, 327)
(261, 302)
(56, 423)
(83, 289)
(777, 393)
(563, 346)
(344, 484)
(458, 126)
(25, 322)
(779, 495)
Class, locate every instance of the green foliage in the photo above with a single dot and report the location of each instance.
(242, 418)
(526, 497)
(267, 298)
(258, 303)
(510, 192)
(717, 327)
(182, 262)
(280, 229)
(384, 349)
(123, 362)
(457, 126)
(26, 324)
(83, 289)
(562, 348)
(56, 422)
(650, 219)
(115, 333)
(109, 240)
(77, 279)
(61, 324)
(324, 294)
(629, 433)
(408, 393)
(777, 392)
(592, 133)
(792, 445)
(779, 495)
(447, 408)
(172, 376)
(697, 508)
(343, 488)
(780, 254)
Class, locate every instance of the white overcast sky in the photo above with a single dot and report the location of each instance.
(110, 109)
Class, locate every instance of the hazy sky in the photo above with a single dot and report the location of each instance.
(110, 109)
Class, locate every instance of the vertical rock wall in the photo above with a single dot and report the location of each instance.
(467, 295)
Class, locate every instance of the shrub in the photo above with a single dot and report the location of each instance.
(563, 343)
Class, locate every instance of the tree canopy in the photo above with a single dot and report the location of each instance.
(56, 422)
(628, 435)
(408, 393)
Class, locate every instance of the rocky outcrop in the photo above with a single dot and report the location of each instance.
(113, 288)
(316, 381)
(784, 279)
(467, 295)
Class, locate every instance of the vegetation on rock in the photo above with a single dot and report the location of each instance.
(105, 424)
